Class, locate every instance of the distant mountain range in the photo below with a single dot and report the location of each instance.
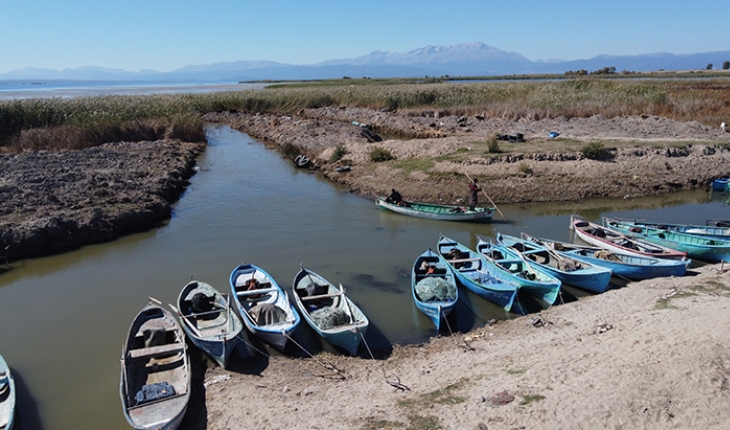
(467, 59)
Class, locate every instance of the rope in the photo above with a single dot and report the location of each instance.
(451, 333)
(362, 337)
(325, 365)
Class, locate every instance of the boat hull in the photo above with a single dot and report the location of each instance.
(436, 310)
(475, 276)
(277, 331)
(711, 250)
(438, 212)
(347, 336)
(215, 332)
(7, 396)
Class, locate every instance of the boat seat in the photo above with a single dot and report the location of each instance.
(261, 286)
(156, 351)
(256, 292)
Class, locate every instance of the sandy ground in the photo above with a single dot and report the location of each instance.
(651, 355)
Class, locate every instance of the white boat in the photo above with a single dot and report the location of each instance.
(155, 381)
(208, 320)
(7, 396)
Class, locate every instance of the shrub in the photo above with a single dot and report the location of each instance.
(594, 151)
(492, 144)
(340, 151)
(290, 150)
(379, 154)
(525, 169)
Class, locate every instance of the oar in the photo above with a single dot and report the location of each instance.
(490, 200)
(186, 321)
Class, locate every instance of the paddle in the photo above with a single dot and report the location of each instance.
(186, 321)
(490, 200)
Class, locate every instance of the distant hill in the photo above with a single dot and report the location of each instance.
(467, 59)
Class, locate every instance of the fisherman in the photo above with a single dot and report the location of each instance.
(394, 197)
(474, 190)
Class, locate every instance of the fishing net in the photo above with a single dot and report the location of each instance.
(435, 289)
(483, 278)
(327, 318)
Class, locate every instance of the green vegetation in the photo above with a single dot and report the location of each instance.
(83, 122)
(531, 398)
(379, 154)
(516, 371)
(339, 152)
(595, 151)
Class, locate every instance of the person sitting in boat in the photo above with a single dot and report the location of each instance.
(395, 198)
(252, 284)
(428, 268)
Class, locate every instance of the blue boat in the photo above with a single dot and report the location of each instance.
(508, 263)
(263, 305)
(328, 310)
(716, 232)
(433, 286)
(707, 249)
(473, 272)
(570, 271)
(630, 266)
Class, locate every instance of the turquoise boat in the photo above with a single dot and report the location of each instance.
(7, 396)
(630, 266)
(712, 250)
(437, 212)
(208, 320)
(570, 271)
(508, 263)
(716, 232)
(433, 286)
(328, 310)
(263, 305)
(473, 272)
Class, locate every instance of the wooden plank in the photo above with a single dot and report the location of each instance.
(463, 260)
(321, 296)
(153, 351)
(255, 292)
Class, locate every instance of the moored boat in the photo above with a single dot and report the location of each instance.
(155, 380)
(539, 284)
(263, 305)
(7, 396)
(433, 286)
(718, 232)
(473, 272)
(720, 184)
(437, 211)
(616, 241)
(328, 310)
(208, 320)
(708, 249)
(629, 266)
(569, 270)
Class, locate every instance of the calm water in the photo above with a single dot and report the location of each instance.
(63, 319)
(14, 90)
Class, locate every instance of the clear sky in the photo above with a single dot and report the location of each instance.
(164, 35)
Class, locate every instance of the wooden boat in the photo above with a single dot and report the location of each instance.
(618, 242)
(717, 232)
(569, 270)
(433, 286)
(208, 320)
(473, 272)
(7, 396)
(538, 283)
(712, 250)
(329, 312)
(155, 382)
(629, 266)
(263, 305)
(438, 212)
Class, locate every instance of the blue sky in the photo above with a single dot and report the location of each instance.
(165, 35)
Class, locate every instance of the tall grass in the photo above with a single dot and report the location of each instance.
(81, 122)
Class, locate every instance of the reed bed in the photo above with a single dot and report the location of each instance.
(82, 122)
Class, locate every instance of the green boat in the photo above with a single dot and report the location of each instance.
(437, 212)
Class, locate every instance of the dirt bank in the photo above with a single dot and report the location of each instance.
(52, 202)
(649, 155)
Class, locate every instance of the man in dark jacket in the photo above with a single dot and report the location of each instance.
(474, 190)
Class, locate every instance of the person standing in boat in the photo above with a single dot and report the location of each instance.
(474, 190)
